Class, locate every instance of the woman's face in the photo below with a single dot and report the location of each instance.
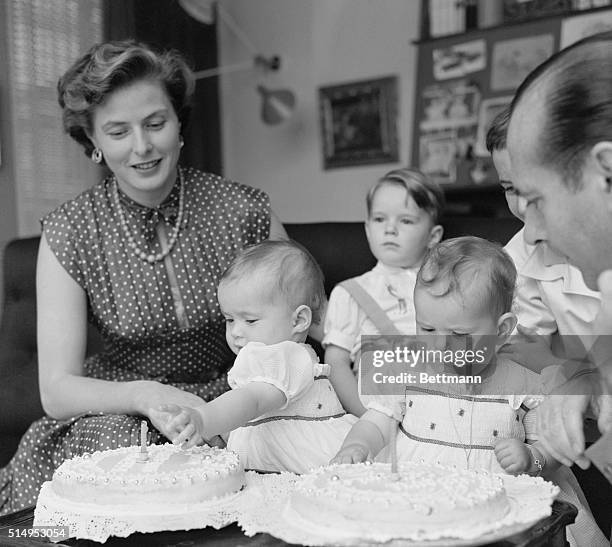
(138, 132)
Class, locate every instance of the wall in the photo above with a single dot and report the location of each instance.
(8, 204)
(321, 43)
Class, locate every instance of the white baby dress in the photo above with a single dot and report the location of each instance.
(309, 430)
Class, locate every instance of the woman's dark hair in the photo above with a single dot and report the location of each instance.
(577, 82)
(109, 66)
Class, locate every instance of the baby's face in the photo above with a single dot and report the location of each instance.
(398, 231)
(501, 161)
(253, 315)
(453, 318)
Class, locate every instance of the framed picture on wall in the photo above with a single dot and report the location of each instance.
(359, 122)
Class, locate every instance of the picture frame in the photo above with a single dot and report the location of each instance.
(359, 122)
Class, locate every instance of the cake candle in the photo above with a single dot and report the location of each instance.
(143, 439)
(393, 446)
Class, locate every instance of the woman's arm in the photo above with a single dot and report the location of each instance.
(342, 378)
(62, 326)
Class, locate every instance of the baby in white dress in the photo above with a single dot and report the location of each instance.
(463, 295)
(282, 413)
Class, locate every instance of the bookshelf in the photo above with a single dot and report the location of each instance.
(465, 78)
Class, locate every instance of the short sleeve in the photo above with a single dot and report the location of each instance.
(60, 234)
(530, 406)
(393, 406)
(342, 325)
(288, 366)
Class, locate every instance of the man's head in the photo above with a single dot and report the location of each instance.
(496, 145)
(560, 145)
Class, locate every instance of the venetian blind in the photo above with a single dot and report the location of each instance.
(45, 37)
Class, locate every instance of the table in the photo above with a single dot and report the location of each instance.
(548, 532)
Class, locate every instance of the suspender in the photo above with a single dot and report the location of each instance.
(375, 313)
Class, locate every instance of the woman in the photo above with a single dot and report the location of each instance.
(139, 255)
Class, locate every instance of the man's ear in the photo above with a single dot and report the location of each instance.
(505, 325)
(601, 154)
(301, 319)
(435, 236)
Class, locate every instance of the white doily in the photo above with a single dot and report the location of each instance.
(99, 522)
(263, 507)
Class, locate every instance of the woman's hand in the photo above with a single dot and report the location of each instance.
(150, 396)
(186, 425)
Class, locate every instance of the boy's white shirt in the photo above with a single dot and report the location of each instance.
(345, 321)
(551, 294)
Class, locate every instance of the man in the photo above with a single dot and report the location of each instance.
(560, 144)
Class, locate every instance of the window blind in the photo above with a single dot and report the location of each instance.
(45, 37)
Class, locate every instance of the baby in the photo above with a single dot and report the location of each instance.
(464, 292)
(404, 209)
(282, 413)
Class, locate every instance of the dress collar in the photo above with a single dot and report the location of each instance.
(393, 270)
(149, 217)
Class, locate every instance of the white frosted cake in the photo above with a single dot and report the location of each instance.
(419, 501)
(170, 475)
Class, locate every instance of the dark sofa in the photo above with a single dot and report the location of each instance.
(340, 248)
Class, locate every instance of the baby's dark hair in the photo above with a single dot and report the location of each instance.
(498, 131)
(292, 271)
(462, 261)
(426, 193)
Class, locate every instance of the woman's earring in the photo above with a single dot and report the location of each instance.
(96, 155)
(181, 141)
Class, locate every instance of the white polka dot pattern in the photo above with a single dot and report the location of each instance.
(131, 303)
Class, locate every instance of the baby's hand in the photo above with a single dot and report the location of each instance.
(353, 453)
(185, 425)
(513, 455)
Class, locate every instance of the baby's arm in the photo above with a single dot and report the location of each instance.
(227, 412)
(517, 457)
(342, 378)
(365, 439)
(529, 457)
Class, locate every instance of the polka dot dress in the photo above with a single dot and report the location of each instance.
(159, 321)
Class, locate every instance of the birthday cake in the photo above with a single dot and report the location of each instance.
(418, 501)
(168, 475)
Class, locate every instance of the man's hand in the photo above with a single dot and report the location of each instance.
(560, 427)
(529, 349)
